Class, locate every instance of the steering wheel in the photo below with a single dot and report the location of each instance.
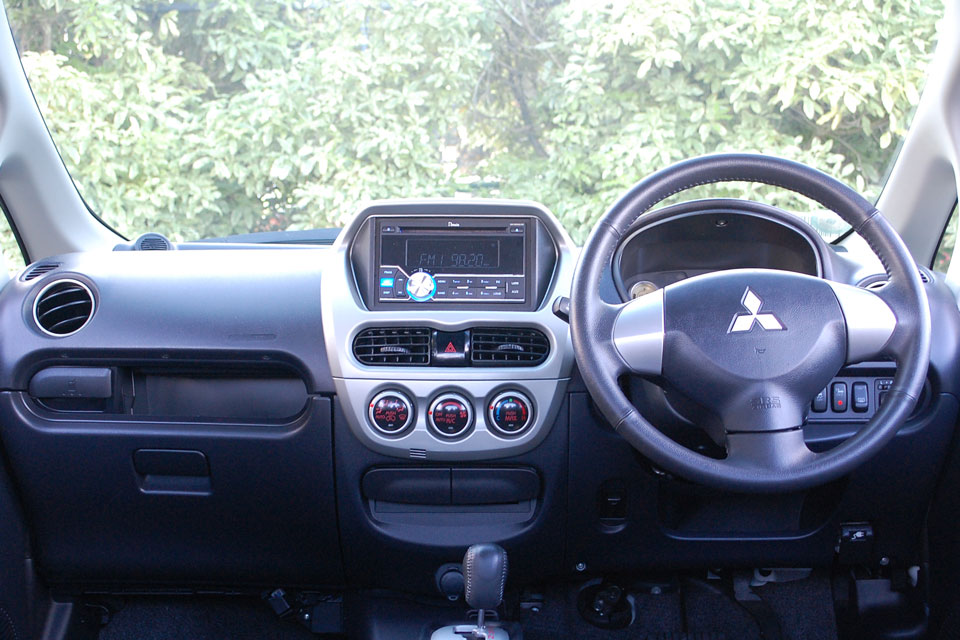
(753, 346)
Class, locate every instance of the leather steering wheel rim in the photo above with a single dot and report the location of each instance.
(601, 364)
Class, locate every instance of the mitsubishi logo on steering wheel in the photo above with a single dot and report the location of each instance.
(743, 322)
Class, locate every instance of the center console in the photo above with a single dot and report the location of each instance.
(439, 330)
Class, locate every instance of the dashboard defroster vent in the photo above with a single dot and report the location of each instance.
(393, 346)
(152, 242)
(508, 347)
(39, 269)
(63, 307)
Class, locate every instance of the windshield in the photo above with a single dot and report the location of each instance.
(203, 119)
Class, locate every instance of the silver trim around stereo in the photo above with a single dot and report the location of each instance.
(344, 315)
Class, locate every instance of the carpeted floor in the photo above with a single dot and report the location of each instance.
(696, 611)
(804, 609)
(199, 618)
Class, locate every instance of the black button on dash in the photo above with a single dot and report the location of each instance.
(838, 393)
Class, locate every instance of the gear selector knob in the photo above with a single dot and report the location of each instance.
(484, 575)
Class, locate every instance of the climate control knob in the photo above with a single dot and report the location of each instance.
(391, 412)
(450, 415)
(510, 413)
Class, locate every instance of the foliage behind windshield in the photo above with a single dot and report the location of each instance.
(205, 118)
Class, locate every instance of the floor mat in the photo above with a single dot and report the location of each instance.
(698, 611)
(199, 619)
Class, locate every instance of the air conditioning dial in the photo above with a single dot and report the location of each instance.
(450, 415)
(390, 412)
(510, 413)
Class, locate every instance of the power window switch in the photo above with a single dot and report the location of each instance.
(820, 402)
(838, 393)
(861, 397)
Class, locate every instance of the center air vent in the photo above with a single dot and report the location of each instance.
(508, 347)
(393, 346)
(63, 307)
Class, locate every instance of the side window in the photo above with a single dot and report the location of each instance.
(12, 256)
(949, 240)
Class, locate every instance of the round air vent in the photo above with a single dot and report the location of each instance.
(63, 307)
(878, 281)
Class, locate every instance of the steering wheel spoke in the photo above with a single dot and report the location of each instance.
(869, 321)
(768, 451)
(638, 334)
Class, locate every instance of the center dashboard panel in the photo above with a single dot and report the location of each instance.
(441, 338)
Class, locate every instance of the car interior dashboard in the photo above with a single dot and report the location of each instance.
(358, 414)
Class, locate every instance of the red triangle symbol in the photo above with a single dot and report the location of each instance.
(450, 348)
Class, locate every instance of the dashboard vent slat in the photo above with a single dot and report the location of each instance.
(393, 346)
(63, 307)
(38, 270)
(508, 347)
(873, 283)
(151, 241)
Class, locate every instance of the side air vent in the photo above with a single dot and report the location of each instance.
(508, 347)
(152, 242)
(63, 307)
(39, 269)
(878, 281)
(393, 346)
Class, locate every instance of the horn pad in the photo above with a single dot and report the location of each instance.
(754, 346)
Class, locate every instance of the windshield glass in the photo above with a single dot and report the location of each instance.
(208, 118)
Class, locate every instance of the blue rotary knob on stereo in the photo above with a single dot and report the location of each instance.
(421, 286)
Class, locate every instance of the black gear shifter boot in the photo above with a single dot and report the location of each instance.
(484, 575)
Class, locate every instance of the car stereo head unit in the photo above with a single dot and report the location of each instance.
(449, 260)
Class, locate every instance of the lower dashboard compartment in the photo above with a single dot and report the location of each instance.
(178, 503)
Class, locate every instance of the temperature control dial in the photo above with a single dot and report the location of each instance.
(450, 415)
(510, 413)
(421, 286)
(391, 412)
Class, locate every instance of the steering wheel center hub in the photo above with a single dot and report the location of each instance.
(752, 345)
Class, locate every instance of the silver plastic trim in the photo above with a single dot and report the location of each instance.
(410, 416)
(500, 396)
(53, 283)
(450, 396)
(870, 321)
(344, 315)
(638, 333)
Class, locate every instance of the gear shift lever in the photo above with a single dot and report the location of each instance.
(484, 574)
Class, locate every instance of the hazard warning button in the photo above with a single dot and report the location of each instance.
(450, 348)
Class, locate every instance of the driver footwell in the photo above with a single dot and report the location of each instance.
(696, 610)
